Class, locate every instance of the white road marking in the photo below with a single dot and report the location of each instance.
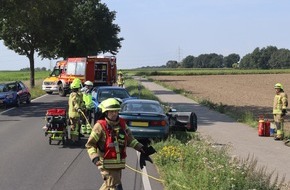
(145, 178)
(31, 101)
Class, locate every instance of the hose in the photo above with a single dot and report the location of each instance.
(159, 180)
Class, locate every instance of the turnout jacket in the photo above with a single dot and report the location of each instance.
(75, 102)
(280, 103)
(97, 144)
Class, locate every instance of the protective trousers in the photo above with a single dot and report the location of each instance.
(112, 178)
(279, 122)
(75, 133)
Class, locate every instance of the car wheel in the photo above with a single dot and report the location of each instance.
(18, 102)
(28, 100)
(61, 91)
(49, 92)
(193, 122)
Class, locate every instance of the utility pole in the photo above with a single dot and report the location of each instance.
(179, 54)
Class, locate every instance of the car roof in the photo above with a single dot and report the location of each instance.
(108, 87)
(141, 101)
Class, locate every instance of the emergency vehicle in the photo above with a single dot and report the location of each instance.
(101, 71)
(49, 84)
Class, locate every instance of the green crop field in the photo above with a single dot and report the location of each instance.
(190, 71)
(21, 75)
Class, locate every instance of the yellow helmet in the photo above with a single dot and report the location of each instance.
(76, 83)
(110, 104)
(278, 85)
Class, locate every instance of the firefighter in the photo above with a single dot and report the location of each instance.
(279, 110)
(76, 105)
(107, 144)
(88, 100)
(120, 80)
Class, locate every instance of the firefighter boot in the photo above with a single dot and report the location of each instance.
(279, 135)
(83, 129)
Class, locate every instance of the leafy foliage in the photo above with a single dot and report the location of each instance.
(54, 28)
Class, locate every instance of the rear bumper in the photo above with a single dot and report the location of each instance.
(141, 132)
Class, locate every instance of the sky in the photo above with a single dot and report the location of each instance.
(156, 31)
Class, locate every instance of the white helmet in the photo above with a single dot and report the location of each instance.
(89, 83)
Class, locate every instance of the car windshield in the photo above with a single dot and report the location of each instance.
(8, 87)
(141, 107)
(3, 88)
(112, 93)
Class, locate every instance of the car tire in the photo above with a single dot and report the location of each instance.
(28, 100)
(61, 90)
(193, 121)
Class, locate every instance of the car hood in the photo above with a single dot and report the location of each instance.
(50, 79)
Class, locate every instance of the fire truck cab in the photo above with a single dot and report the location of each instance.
(49, 84)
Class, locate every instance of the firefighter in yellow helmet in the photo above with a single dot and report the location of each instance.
(120, 80)
(75, 103)
(88, 100)
(279, 110)
(107, 144)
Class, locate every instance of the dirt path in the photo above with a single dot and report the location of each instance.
(243, 139)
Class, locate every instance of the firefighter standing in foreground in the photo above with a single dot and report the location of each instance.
(75, 103)
(107, 144)
(279, 110)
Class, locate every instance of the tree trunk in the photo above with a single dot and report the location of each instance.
(31, 61)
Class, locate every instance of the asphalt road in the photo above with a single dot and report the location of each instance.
(28, 162)
(222, 130)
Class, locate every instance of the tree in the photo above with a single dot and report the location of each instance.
(230, 60)
(265, 55)
(88, 31)
(25, 26)
(172, 64)
(280, 59)
(56, 28)
(187, 62)
(245, 62)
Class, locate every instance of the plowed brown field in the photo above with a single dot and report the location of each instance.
(253, 93)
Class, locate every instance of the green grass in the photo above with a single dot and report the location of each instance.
(21, 75)
(203, 71)
(185, 161)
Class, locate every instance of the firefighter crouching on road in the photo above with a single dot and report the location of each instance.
(75, 103)
(279, 110)
(120, 80)
(88, 100)
(107, 144)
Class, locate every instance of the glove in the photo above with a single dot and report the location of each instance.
(284, 111)
(143, 159)
(145, 153)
